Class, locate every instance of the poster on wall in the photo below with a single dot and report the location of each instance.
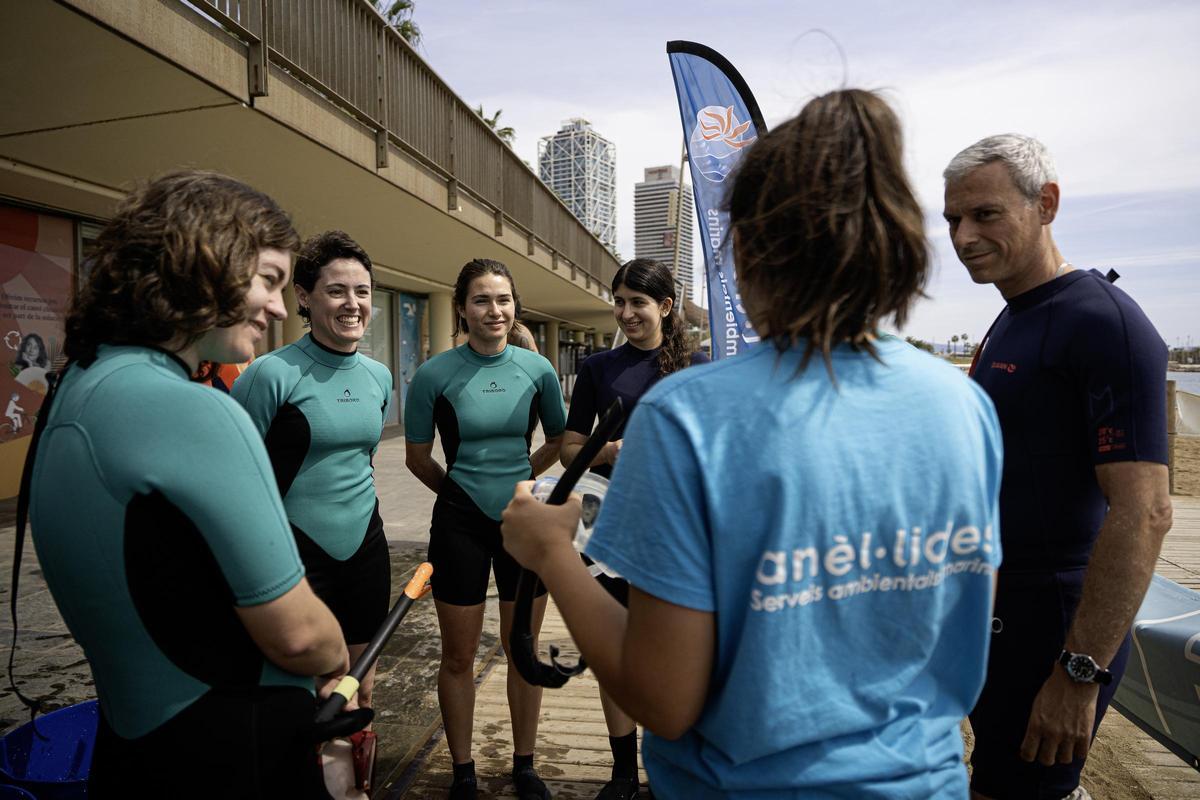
(37, 254)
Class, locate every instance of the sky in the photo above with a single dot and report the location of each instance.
(1111, 88)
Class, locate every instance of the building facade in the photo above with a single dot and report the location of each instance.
(657, 206)
(105, 95)
(580, 166)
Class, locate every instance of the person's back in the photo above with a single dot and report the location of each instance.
(856, 540)
(140, 452)
(809, 530)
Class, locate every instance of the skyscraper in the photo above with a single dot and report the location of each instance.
(657, 204)
(580, 166)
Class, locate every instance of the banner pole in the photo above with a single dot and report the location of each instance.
(679, 209)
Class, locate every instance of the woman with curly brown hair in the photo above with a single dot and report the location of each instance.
(809, 543)
(647, 310)
(173, 565)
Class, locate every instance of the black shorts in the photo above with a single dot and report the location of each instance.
(231, 743)
(618, 588)
(356, 590)
(464, 543)
(1034, 612)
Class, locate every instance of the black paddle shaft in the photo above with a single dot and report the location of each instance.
(520, 641)
(328, 723)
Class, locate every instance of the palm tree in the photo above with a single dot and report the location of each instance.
(506, 134)
(954, 341)
(398, 14)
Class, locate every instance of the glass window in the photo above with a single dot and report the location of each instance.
(379, 341)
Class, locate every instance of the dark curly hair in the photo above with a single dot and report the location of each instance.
(654, 278)
(829, 238)
(175, 262)
(475, 268)
(318, 251)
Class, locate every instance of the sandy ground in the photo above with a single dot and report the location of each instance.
(1187, 465)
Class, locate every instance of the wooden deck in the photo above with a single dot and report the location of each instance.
(1180, 558)
(573, 755)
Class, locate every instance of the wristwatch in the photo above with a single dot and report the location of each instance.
(1083, 668)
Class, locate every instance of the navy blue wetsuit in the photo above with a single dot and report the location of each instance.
(624, 372)
(154, 514)
(1078, 376)
(321, 412)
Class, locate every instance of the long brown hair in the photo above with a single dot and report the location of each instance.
(654, 279)
(175, 262)
(829, 238)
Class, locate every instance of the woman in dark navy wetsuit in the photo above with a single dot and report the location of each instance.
(484, 398)
(645, 306)
(173, 565)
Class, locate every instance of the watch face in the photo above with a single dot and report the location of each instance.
(1081, 668)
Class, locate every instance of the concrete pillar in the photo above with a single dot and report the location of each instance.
(552, 343)
(293, 326)
(441, 322)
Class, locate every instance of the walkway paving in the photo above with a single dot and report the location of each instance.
(573, 746)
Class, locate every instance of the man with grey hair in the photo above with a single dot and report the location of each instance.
(1078, 376)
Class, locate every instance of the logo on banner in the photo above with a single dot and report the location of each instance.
(717, 137)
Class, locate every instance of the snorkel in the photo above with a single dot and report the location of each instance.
(521, 641)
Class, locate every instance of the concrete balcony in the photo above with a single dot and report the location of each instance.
(316, 102)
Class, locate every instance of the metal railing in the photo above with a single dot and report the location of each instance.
(346, 51)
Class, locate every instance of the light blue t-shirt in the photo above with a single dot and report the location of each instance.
(845, 538)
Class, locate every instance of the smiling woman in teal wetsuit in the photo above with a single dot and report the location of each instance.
(484, 398)
(321, 405)
(172, 564)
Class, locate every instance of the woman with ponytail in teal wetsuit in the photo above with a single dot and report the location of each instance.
(173, 564)
(484, 398)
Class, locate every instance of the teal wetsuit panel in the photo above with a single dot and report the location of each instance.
(321, 413)
(485, 409)
(154, 513)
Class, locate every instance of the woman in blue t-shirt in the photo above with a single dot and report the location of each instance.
(809, 529)
(646, 308)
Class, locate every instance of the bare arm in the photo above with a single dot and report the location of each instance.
(544, 457)
(298, 633)
(655, 660)
(1122, 562)
(418, 457)
(573, 442)
(1119, 571)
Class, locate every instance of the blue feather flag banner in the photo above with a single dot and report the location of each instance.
(720, 121)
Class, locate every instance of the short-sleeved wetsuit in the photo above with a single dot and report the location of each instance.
(1078, 376)
(844, 544)
(624, 372)
(321, 413)
(485, 409)
(154, 514)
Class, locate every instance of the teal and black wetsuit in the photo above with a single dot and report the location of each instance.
(154, 514)
(485, 409)
(321, 413)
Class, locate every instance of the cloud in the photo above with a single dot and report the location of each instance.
(1109, 86)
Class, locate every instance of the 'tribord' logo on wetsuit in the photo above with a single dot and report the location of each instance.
(493, 389)
(347, 398)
